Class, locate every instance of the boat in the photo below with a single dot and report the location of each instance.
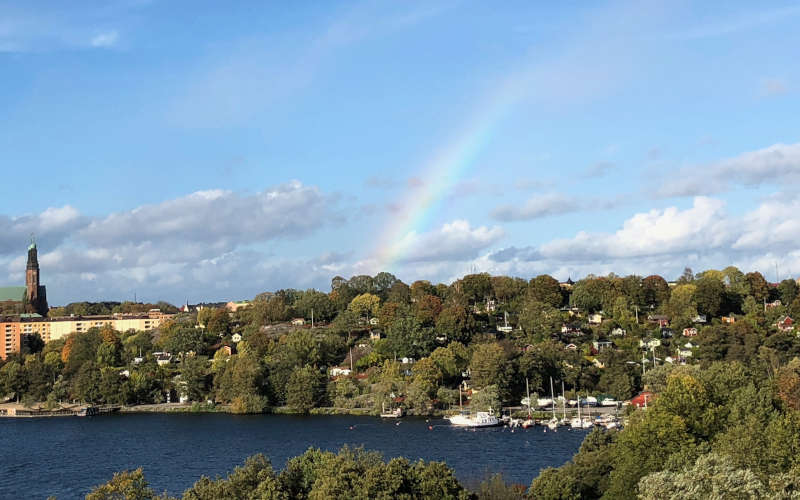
(480, 419)
(396, 413)
(580, 422)
(608, 402)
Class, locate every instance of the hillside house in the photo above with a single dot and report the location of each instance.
(785, 324)
(595, 318)
(690, 332)
(659, 319)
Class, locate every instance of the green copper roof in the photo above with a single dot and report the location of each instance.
(16, 293)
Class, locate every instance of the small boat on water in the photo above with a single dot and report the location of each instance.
(396, 413)
(480, 419)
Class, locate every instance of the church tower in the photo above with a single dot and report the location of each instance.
(32, 275)
(35, 294)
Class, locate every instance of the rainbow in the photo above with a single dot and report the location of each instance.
(440, 174)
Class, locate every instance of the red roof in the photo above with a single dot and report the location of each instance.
(644, 396)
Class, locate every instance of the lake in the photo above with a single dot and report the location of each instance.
(68, 456)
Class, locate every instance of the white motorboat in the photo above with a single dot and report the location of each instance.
(480, 419)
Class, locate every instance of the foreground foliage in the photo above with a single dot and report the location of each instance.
(315, 475)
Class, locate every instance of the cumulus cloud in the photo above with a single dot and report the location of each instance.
(217, 216)
(777, 164)
(537, 207)
(703, 235)
(454, 241)
(174, 245)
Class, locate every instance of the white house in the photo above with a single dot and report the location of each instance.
(595, 318)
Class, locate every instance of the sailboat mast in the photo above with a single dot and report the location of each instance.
(552, 398)
(563, 400)
(528, 393)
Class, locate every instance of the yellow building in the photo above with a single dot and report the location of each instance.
(13, 331)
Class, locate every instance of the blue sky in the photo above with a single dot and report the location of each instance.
(201, 151)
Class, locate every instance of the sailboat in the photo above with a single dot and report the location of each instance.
(564, 420)
(480, 419)
(552, 424)
(528, 422)
(580, 422)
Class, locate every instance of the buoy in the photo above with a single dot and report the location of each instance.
(430, 427)
(351, 427)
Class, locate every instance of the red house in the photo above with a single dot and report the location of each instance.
(785, 324)
(643, 399)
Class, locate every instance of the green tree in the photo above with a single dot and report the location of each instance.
(719, 480)
(127, 485)
(709, 295)
(305, 389)
(546, 290)
(455, 323)
(539, 320)
(365, 305)
(194, 373)
(486, 398)
(487, 363)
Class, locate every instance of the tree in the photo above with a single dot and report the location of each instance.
(365, 305)
(644, 447)
(13, 379)
(682, 306)
(305, 389)
(788, 291)
(219, 324)
(427, 309)
(487, 363)
(555, 484)
(455, 323)
(545, 289)
(128, 485)
(194, 377)
(719, 480)
(319, 303)
(709, 295)
(687, 276)
(539, 320)
(757, 286)
(475, 287)
(655, 290)
(485, 399)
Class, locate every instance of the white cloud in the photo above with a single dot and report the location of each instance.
(107, 39)
(665, 240)
(537, 207)
(777, 165)
(456, 241)
(192, 243)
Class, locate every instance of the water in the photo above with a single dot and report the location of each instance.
(67, 456)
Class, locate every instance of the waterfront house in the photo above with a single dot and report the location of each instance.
(298, 322)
